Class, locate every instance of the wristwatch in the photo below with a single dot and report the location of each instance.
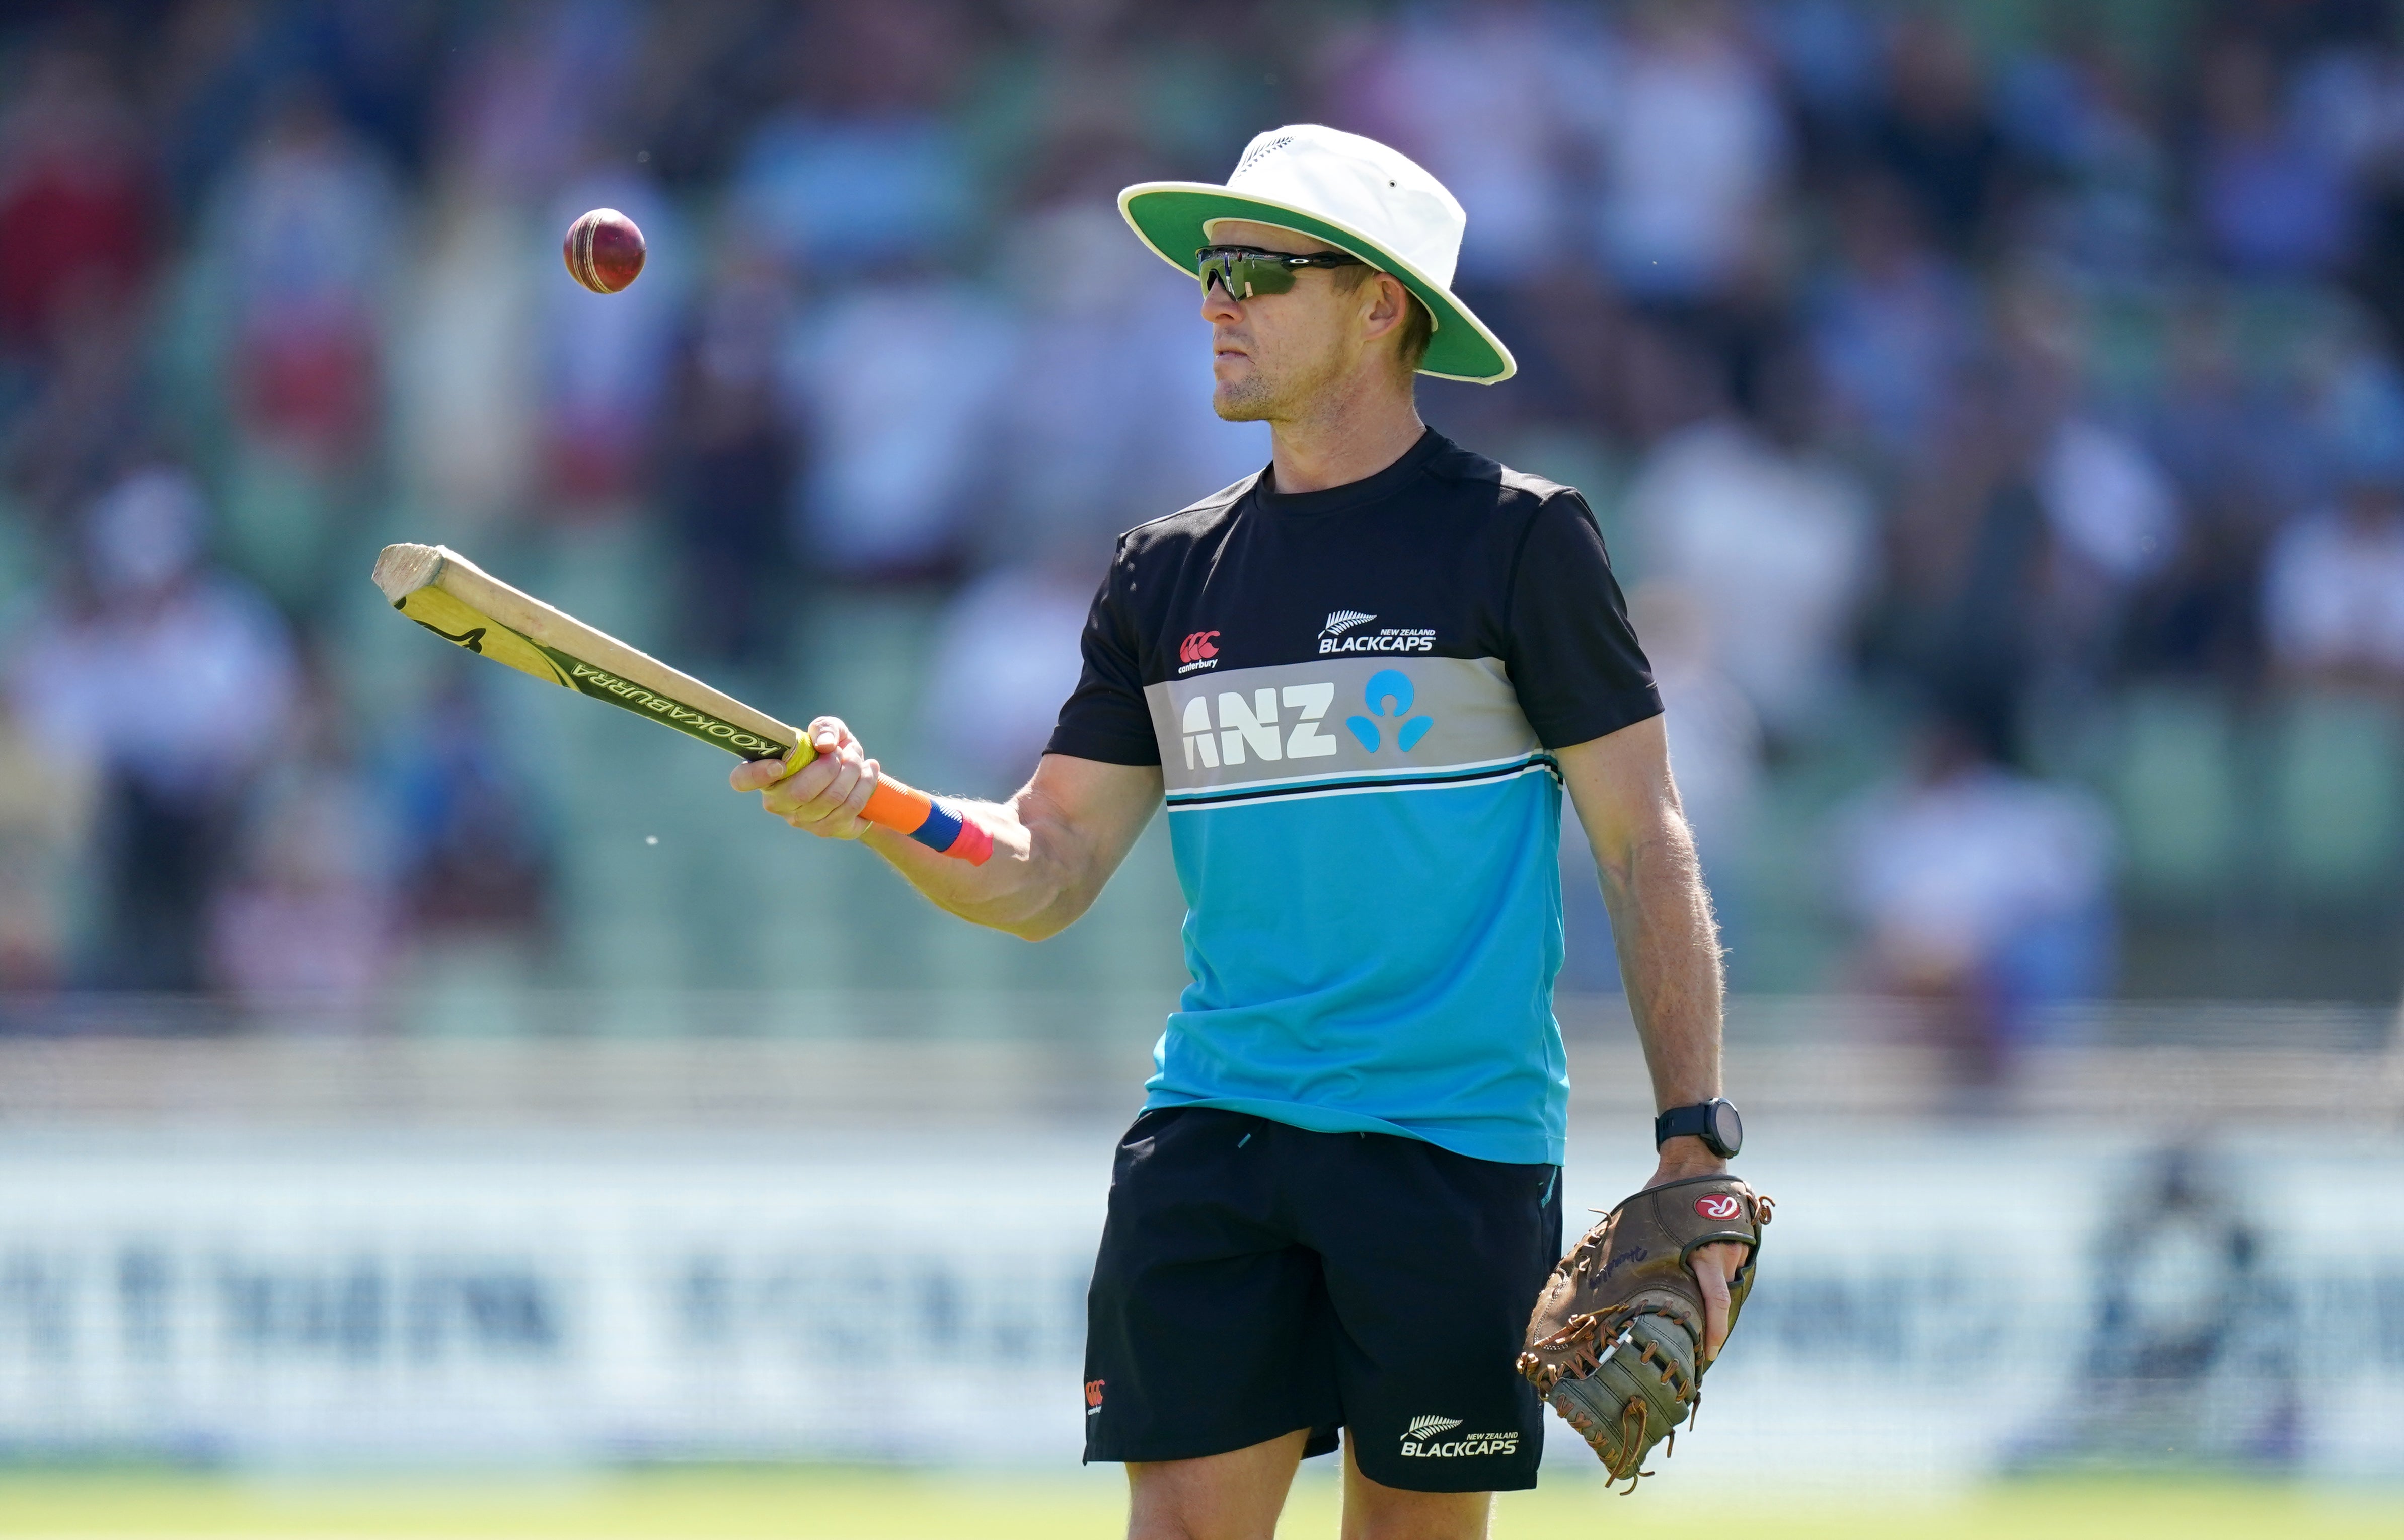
(1714, 1122)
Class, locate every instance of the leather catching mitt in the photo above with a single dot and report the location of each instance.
(1616, 1335)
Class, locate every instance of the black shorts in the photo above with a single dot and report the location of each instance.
(1256, 1277)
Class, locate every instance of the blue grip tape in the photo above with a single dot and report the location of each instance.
(940, 830)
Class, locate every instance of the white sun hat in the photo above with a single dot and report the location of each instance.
(1353, 193)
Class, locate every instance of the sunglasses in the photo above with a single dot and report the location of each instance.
(1245, 270)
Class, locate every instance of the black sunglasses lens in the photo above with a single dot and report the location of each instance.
(1243, 273)
(1268, 275)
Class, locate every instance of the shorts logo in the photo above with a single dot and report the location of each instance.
(1389, 696)
(1093, 1396)
(1417, 1437)
(1722, 1205)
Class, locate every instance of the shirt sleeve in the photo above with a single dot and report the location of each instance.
(1105, 718)
(1575, 661)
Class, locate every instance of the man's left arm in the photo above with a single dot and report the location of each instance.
(1668, 949)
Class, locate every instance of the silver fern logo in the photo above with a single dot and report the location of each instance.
(1345, 620)
(1422, 1426)
(1256, 157)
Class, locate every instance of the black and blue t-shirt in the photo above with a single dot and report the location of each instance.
(1352, 695)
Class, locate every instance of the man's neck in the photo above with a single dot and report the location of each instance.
(1350, 437)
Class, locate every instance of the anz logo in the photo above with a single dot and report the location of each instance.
(1388, 699)
(1251, 729)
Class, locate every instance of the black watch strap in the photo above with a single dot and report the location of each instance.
(1714, 1122)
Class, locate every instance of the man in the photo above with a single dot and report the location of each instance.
(1361, 679)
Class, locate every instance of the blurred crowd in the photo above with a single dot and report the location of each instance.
(1994, 409)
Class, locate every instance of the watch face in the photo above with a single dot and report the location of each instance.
(1727, 1130)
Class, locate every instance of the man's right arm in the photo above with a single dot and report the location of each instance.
(1054, 844)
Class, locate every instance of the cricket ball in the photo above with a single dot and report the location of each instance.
(604, 251)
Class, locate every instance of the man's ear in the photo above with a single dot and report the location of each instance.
(1387, 302)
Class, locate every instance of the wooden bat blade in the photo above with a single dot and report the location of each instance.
(454, 623)
(467, 607)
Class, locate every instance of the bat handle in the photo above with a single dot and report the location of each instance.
(930, 820)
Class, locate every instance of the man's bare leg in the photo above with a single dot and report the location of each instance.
(1232, 1496)
(1375, 1512)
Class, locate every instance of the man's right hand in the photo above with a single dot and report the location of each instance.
(1055, 843)
(824, 797)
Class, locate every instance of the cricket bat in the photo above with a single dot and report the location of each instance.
(467, 607)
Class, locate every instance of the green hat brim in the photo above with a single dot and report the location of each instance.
(1169, 216)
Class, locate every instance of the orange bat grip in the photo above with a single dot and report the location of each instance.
(898, 808)
(931, 822)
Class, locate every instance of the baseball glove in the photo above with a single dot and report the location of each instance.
(1616, 1334)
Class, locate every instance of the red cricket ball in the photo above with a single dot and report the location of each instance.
(604, 251)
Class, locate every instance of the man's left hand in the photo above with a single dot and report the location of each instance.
(1715, 1263)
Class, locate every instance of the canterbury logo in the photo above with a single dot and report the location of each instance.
(1197, 647)
(1345, 620)
(1422, 1426)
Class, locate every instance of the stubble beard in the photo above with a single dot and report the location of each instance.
(1252, 400)
(1302, 377)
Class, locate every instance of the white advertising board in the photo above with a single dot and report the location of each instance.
(1935, 1305)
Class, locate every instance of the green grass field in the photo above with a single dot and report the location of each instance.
(811, 1504)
